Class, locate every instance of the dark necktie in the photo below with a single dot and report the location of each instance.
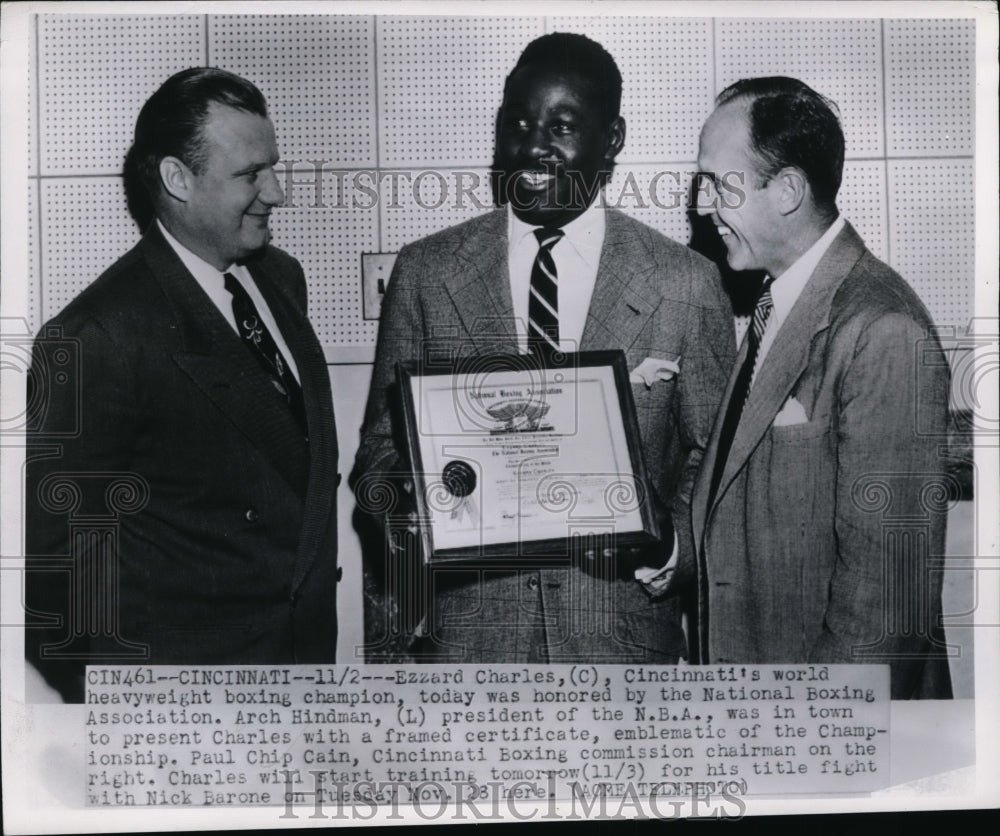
(256, 336)
(543, 298)
(741, 389)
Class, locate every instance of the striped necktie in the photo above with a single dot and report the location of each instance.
(741, 389)
(543, 298)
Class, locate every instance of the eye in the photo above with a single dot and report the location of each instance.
(513, 124)
(563, 128)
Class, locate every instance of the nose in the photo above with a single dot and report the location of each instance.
(535, 144)
(271, 192)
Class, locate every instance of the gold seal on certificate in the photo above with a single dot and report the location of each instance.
(515, 459)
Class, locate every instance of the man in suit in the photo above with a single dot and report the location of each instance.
(827, 443)
(471, 290)
(181, 490)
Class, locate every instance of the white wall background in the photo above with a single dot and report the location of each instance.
(408, 94)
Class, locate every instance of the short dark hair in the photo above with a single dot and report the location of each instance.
(793, 125)
(171, 122)
(577, 54)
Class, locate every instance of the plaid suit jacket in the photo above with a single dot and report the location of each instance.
(652, 298)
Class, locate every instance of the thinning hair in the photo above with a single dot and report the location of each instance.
(791, 125)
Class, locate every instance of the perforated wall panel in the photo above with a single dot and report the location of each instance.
(655, 194)
(85, 229)
(318, 75)
(440, 85)
(932, 243)
(380, 100)
(430, 203)
(863, 201)
(34, 276)
(31, 79)
(666, 68)
(95, 74)
(930, 77)
(842, 59)
(329, 243)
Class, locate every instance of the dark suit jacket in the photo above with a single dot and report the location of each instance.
(816, 548)
(181, 450)
(652, 298)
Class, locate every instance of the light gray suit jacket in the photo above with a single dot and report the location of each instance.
(816, 548)
(652, 298)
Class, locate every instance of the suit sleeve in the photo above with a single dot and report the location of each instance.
(401, 327)
(82, 431)
(893, 401)
(393, 598)
(710, 352)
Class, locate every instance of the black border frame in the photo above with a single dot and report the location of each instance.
(552, 551)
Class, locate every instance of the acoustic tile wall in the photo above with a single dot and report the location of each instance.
(384, 122)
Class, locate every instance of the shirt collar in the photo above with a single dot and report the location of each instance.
(196, 265)
(786, 288)
(585, 234)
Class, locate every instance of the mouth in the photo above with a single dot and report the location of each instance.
(535, 180)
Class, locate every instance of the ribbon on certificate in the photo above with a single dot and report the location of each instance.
(459, 480)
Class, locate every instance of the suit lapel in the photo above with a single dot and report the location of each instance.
(784, 364)
(624, 298)
(315, 381)
(479, 285)
(215, 359)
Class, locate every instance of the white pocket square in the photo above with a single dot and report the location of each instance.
(791, 413)
(653, 369)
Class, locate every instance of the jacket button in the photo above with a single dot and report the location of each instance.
(532, 583)
(340, 573)
(251, 515)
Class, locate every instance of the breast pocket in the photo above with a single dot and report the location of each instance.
(794, 433)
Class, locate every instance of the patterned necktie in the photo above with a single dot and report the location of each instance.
(741, 389)
(543, 298)
(256, 336)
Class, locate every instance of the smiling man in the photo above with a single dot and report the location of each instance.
(549, 273)
(819, 506)
(181, 489)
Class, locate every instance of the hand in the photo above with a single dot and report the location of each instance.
(656, 581)
(652, 566)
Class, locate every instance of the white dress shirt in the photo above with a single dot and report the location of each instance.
(212, 282)
(787, 288)
(577, 256)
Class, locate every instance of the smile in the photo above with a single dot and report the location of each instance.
(535, 179)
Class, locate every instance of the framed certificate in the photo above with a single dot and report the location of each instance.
(514, 459)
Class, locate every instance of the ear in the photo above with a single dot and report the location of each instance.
(792, 189)
(616, 139)
(176, 178)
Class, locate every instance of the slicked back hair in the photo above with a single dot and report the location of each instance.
(172, 121)
(793, 125)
